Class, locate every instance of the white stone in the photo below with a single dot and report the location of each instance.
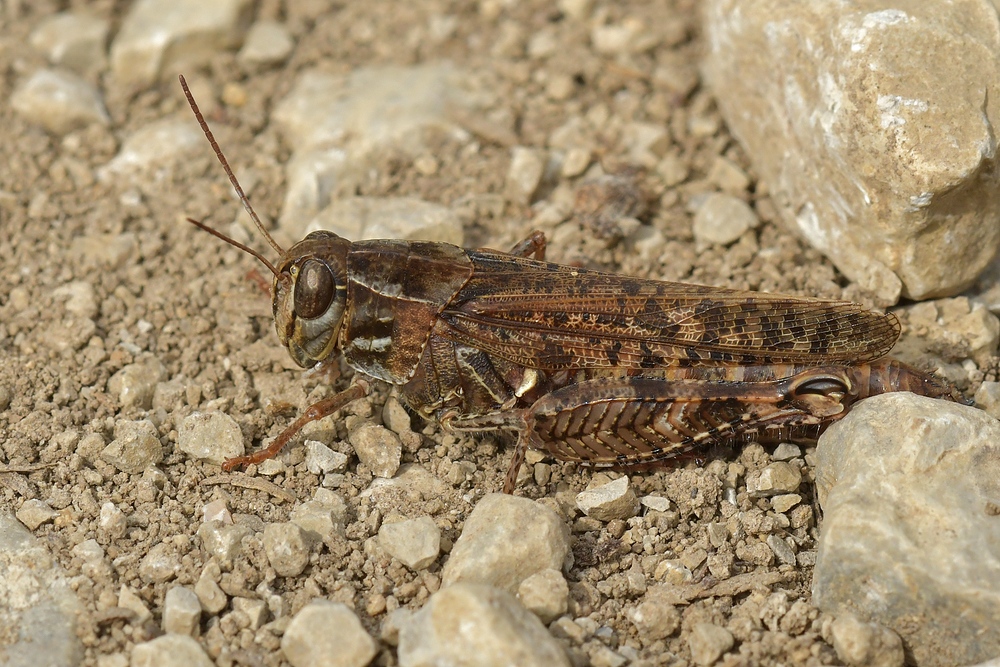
(267, 43)
(34, 512)
(407, 218)
(320, 459)
(222, 540)
(614, 500)
(59, 101)
(73, 40)
(134, 384)
(907, 484)
(777, 478)
(210, 436)
(324, 516)
(416, 543)
(378, 448)
(545, 594)
(859, 644)
(327, 634)
(708, 642)
(181, 611)
(527, 166)
(154, 147)
(170, 651)
(476, 624)
(722, 219)
(163, 37)
(504, 541)
(287, 548)
(842, 118)
(135, 447)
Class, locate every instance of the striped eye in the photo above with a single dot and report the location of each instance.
(315, 288)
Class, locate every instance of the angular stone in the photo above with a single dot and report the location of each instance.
(909, 489)
(170, 651)
(722, 219)
(407, 218)
(33, 513)
(73, 40)
(135, 447)
(859, 644)
(378, 448)
(505, 540)
(545, 594)
(843, 118)
(416, 543)
(163, 37)
(267, 43)
(181, 611)
(135, 383)
(327, 634)
(287, 548)
(158, 145)
(59, 101)
(469, 624)
(614, 500)
(708, 642)
(210, 436)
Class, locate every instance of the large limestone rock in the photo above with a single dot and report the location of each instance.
(873, 125)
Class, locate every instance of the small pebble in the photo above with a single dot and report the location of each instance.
(161, 563)
(73, 40)
(255, 610)
(33, 513)
(786, 451)
(212, 598)
(210, 436)
(327, 634)
(781, 550)
(708, 642)
(988, 398)
(59, 101)
(111, 521)
(654, 618)
(324, 516)
(785, 502)
(777, 478)
(154, 147)
(615, 500)
(223, 541)
(858, 643)
(135, 384)
(655, 503)
(181, 611)
(504, 541)
(287, 548)
(378, 448)
(527, 166)
(267, 43)
(722, 219)
(395, 417)
(128, 599)
(135, 447)
(416, 543)
(320, 459)
(170, 650)
(476, 624)
(545, 594)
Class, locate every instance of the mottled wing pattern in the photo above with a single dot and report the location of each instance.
(549, 316)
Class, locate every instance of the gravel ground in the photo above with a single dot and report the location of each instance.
(101, 275)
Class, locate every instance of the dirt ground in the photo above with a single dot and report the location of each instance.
(165, 290)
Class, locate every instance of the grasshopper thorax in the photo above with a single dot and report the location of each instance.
(310, 296)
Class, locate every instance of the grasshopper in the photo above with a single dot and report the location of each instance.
(592, 367)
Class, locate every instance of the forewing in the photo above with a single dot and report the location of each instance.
(550, 316)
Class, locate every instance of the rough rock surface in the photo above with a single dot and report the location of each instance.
(882, 160)
(473, 624)
(909, 489)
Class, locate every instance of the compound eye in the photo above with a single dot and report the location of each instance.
(315, 288)
(823, 387)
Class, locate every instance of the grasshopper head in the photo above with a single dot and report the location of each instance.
(310, 295)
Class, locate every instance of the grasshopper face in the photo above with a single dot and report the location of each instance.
(310, 297)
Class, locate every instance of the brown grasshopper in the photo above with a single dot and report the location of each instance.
(592, 367)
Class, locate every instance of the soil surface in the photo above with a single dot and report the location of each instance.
(164, 290)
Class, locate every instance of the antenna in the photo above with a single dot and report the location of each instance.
(236, 185)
